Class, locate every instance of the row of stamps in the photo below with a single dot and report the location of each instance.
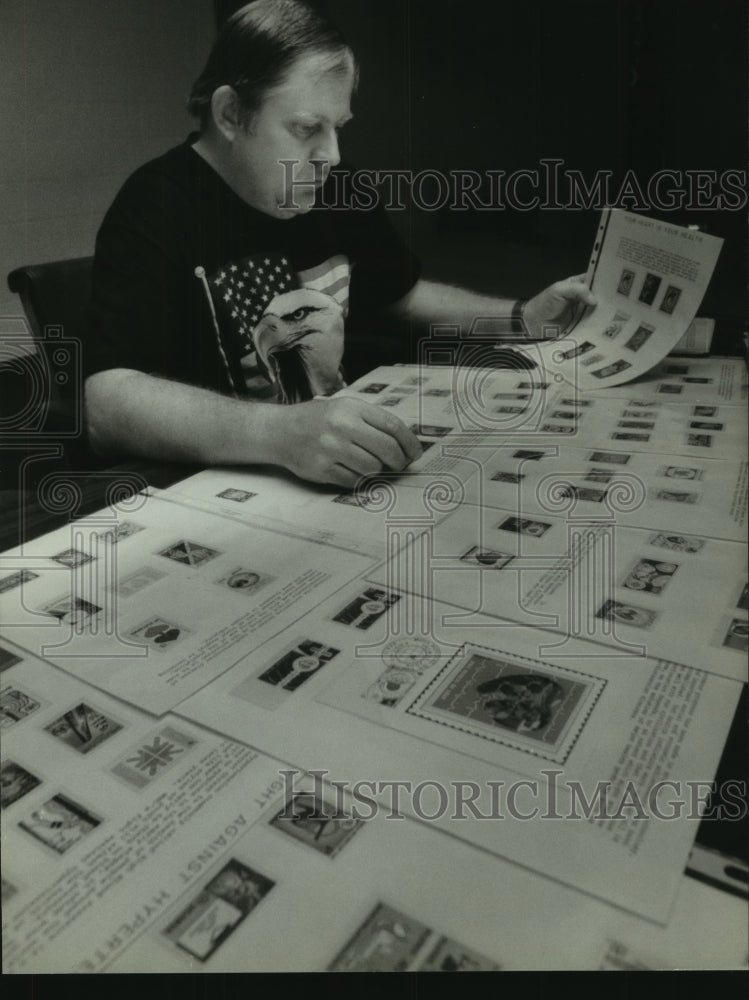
(84, 728)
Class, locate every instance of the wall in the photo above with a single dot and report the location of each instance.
(90, 90)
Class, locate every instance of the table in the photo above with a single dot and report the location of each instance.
(180, 882)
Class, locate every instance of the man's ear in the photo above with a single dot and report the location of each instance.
(226, 111)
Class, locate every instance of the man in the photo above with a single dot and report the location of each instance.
(220, 286)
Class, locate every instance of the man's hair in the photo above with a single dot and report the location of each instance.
(256, 48)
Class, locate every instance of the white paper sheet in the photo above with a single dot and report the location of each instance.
(676, 495)
(649, 278)
(151, 605)
(201, 824)
(108, 815)
(376, 711)
(634, 590)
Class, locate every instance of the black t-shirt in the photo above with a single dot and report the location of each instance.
(193, 284)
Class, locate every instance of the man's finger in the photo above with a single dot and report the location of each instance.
(390, 424)
(572, 288)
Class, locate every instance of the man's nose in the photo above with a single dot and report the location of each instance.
(327, 150)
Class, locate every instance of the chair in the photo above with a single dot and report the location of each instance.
(55, 300)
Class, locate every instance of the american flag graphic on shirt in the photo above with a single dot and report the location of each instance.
(284, 329)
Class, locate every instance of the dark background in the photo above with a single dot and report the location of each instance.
(601, 84)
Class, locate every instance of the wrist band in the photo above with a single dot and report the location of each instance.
(517, 321)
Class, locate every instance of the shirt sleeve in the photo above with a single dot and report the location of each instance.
(385, 268)
(139, 315)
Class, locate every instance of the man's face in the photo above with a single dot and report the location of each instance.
(299, 120)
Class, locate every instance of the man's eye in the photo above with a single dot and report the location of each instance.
(301, 313)
(305, 131)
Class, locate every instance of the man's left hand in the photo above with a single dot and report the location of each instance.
(555, 307)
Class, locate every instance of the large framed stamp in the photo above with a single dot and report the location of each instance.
(511, 700)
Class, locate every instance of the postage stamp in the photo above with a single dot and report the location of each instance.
(60, 823)
(406, 660)
(150, 757)
(430, 430)
(238, 496)
(643, 425)
(557, 429)
(15, 705)
(641, 335)
(215, 912)
(486, 558)
(16, 579)
(296, 666)
(524, 526)
(507, 477)
(72, 610)
(609, 457)
(244, 581)
(119, 532)
(15, 782)
(676, 543)
(599, 476)
(159, 633)
(577, 350)
(353, 500)
(387, 941)
(670, 299)
(189, 553)
(511, 700)
(8, 659)
(72, 558)
(307, 819)
(366, 608)
(676, 496)
(627, 614)
(650, 285)
(613, 369)
(680, 472)
(449, 955)
(626, 278)
(629, 436)
(650, 576)
(83, 728)
(584, 493)
(737, 635)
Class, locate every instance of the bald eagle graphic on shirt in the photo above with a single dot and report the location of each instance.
(280, 333)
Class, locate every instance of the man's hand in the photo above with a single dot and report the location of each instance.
(339, 440)
(556, 306)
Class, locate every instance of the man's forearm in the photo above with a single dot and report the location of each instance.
(431, 302)
(129, 412)
(335, 440)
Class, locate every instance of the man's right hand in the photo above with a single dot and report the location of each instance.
(339, 440)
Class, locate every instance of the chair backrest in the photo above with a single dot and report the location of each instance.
(55, 299)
